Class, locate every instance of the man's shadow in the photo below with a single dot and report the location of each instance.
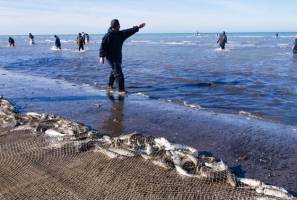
(113, 124)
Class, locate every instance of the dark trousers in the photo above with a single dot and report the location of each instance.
(222, 45)
(81, 47)
(116, 75)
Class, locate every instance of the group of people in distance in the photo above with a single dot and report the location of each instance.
(81, 40)
(111, 50)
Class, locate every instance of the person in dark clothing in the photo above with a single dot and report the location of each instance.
(57, 42)
(295, 47)
(222, 40)
(31, 38)
(111, 48)
(80, 42)
(276, 35)
(11, 42)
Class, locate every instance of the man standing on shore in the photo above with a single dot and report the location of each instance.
(222, 40)
(111, 48)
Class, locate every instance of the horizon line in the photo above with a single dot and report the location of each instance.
(231, 32)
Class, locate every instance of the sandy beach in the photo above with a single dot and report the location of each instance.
(252, 148)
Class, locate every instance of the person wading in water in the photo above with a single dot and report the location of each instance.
(111, 48)
(222, 40)
(80, 42)
(31, 39)
(11, 42)
(57, 42)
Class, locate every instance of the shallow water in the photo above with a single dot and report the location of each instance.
(255, 76)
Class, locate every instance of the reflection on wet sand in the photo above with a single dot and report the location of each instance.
(113, 124)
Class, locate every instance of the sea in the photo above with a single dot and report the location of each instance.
(255, 76)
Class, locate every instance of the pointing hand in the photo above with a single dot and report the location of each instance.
(141, 25)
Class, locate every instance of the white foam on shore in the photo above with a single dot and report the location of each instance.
(193, 106)
(49, 41)
(185, 42)
(55, 49)
(242, 45)
(283, 45)
(143, 42)
(140, 94)
(249, 115)
(221, 50)
(77, 51)
(68, 41)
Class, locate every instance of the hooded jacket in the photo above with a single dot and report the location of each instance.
(112, 43)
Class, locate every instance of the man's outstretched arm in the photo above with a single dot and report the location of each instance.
(128, 32)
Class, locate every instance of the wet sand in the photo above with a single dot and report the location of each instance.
(255, 149)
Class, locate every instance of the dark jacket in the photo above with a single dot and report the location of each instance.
(80, 40)
(112, 43)
(10, 40)
(222, 39)
(58, 42)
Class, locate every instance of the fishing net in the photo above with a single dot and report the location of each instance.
(38, 163)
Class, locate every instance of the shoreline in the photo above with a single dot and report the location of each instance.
(255, 149)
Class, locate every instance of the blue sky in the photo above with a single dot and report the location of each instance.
(93, 16)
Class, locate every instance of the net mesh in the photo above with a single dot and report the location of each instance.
(31, 168)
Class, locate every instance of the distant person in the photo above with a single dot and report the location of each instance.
(111, 48)
(11, 42)
(87, 38)
(57, 42)
(31, 38)
(295, 47)
(84, 37)
(276, 35)
(222, 40)
(80, 42)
